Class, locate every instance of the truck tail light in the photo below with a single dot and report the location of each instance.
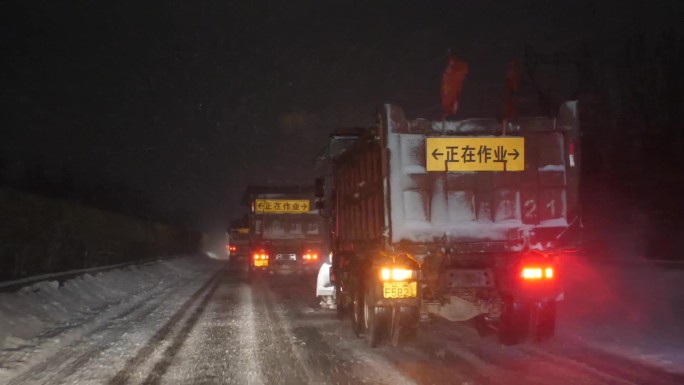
(538, 266)
(261, 255)
(396, 274)
(310, 256)
(537, 273)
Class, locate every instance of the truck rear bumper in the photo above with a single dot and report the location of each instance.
(292, 269)
(408, 302)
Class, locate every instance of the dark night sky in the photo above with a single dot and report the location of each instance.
(190, 101)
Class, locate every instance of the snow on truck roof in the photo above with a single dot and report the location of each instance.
(397, 122)
(342, 139)
(425, 207)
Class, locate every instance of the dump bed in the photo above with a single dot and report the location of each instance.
(474, 185)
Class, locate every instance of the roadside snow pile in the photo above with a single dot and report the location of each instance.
(47, 309)
(634, 310)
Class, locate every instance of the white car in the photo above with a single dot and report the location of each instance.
(325, 290)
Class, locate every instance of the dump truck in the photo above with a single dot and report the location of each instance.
(238, 246)
(287, 233)
(462, 220)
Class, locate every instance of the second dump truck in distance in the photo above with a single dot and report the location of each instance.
(287, 233)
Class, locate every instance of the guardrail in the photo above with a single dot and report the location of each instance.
(18, 284)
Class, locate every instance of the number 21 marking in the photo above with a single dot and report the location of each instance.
(530, 208)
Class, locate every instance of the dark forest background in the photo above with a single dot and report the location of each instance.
(167, 89)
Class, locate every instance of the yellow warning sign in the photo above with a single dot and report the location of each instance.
(281, 206)
(475, 154)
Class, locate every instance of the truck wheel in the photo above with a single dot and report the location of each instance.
(545, 320)
(375, 320)
(357, 312)
(514, 323)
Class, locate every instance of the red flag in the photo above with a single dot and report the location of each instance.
(452, 84)
(512, 86)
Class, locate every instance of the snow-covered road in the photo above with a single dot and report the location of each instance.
(199, 321)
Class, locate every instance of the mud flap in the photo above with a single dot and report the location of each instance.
(404, 324)
(375, 320)
(545, 324)
(357, 311)
(514, 322)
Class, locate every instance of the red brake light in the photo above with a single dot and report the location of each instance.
(537, 273)
(548, 273)
(531, 273)
(261, 254)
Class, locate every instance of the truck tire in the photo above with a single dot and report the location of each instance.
(522, 321)
(357, 312)
(375, 320)
(514, 323)
(544, 315)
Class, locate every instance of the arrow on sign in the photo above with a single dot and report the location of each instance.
(436, 154)
(516, 153)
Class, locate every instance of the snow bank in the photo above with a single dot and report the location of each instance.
(634, 310)
(47, 309)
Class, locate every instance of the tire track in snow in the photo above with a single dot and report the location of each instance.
(210, 354)
(162, 366)
(69, 359)
(134, 363)
(548, 361)
(606, 363)
(325, 359)
(279, 361)
(248, 341)
(511, 363)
